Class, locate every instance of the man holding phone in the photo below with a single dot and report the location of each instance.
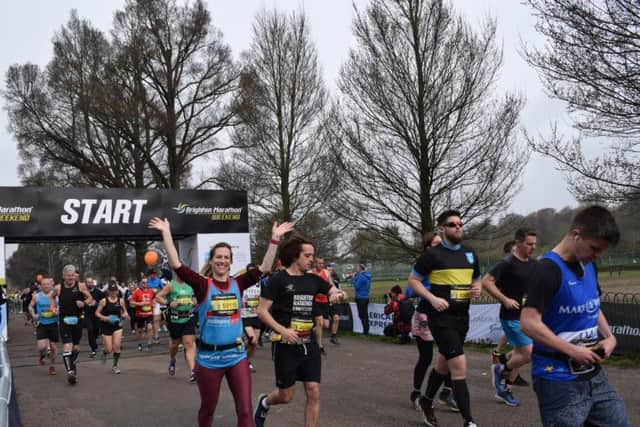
(570, 333)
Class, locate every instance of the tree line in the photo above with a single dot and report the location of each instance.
(415, 125)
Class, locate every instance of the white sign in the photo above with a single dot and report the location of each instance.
(377, 319)
(240, 245)
(484, 323)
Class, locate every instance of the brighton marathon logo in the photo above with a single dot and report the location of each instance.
(214, 213)
(15, 214)
(102, 211)
(625, 330)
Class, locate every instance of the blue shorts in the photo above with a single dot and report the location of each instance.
(514, 334)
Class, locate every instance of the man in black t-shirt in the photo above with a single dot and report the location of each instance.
(507, 282)
(453, 273)
(286, 306)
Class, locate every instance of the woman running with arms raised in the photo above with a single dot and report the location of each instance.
(221, 351)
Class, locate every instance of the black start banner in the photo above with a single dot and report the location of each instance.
(32, 214)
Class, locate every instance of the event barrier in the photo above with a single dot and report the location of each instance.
(622, 311)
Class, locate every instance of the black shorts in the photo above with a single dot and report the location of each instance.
(292, 364)
(70, 333)
(449, 332)
(321, 309)
(142, 322)
(178, 330)
(48, 332)
(108, 328)
(252, 322)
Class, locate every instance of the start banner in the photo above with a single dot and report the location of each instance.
(31, 214)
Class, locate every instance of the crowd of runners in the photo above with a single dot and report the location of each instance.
(550, 314)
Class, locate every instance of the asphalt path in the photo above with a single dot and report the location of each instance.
(364, 383)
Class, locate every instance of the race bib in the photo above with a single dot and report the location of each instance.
(253, 302)
(146, 308)
(47, 314)
(461, 294)
(184, 301)
(70, 320)
(224, 304)
(302, 326)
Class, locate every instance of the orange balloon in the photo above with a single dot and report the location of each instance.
(39, 278)
(151, 258)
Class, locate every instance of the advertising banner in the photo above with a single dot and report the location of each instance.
(484, 324)
(624, 321)
(31, 214)
(377, 319)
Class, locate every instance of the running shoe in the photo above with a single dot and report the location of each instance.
(496, 374)
(415, 399)
(139, 347)
(52, 370)
(443, 397)
(115, 370)
(428, 414)
(252, 368)
(452, 404)
(93, 354)
(507, 397)
(334, 341)
(495, 357)
(163, 328)
(470, 424)
(519, 381)
(260, 415)
(71, 377)
(322, 352)
(172, 367)
(192, 378)
(180, 347)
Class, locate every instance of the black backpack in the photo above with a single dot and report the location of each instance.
(406, 310)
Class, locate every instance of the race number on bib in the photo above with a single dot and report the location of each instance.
(461, 294)
(224, 304)
(302, 326)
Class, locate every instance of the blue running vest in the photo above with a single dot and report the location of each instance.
(221, 324)
(43, 308)
(572, 316)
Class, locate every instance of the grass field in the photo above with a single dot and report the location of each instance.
(626, 282)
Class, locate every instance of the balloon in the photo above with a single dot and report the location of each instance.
(151, 258)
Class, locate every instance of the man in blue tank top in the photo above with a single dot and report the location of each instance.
(570, 333)
(44, 311)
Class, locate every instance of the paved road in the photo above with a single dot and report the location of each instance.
(365, 383)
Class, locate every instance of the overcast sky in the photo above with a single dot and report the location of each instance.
(27, 27)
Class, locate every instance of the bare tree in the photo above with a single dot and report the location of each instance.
(285, 162)
(420, 126)
(187, 76)
(591, 62)
(135, 111)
